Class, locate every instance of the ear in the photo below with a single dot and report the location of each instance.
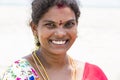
(33, 28)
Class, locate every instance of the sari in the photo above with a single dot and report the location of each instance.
(23, 70)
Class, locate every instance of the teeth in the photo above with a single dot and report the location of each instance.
(59, 42)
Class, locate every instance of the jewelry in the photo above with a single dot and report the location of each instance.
(71, 61)
(44, 73)
(37, 43)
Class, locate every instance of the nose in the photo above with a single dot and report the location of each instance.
(60, 32)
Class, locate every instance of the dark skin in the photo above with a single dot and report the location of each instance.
(64, 73)
(56, 34)
(54, 73)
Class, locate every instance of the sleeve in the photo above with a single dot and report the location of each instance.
(93, 72)
(20, 70)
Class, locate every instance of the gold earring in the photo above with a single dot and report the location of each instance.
(37, 43)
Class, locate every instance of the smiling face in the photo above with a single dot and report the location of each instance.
(56, 30)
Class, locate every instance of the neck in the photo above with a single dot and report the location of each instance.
(50, 60)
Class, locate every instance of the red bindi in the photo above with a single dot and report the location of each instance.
(60, 22)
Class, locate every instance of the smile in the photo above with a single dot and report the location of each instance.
(59, 42)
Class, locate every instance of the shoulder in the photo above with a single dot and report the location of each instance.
(19, 70)
(93, 72)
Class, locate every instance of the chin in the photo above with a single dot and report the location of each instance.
(59, 51)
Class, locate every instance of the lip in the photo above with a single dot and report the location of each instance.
(59, 42)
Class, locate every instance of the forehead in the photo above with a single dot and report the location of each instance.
(55, 14)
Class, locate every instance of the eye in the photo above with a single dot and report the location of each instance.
(50, 25)
(69, 24)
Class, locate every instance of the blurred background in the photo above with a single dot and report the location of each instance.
(98, 39)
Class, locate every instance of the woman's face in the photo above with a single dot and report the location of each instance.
(56, 30)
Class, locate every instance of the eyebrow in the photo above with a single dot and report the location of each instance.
(71, 20)
(48, 21)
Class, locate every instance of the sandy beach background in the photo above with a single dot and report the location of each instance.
(98, 39)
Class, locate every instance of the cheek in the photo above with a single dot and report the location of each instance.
(43, 34)
(74, 33)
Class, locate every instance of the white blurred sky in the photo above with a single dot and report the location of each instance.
(101, 3)
(87, 3)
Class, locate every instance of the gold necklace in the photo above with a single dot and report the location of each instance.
(44, 73)
(73, 64)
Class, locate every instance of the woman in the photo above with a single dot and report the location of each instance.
(54, 25)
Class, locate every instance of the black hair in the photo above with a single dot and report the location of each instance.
(40, 7)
